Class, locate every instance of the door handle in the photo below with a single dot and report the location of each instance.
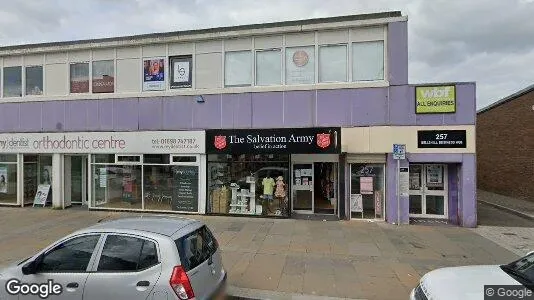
(72, 285)
(143, 283)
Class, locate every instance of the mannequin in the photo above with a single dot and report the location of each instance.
(280, 191)
(268, 185)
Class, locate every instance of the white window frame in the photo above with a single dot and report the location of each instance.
(252, 60)
(256, 51)
(319, 63)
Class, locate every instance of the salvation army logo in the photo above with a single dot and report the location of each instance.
(323, 140)
(300, 58)
(220, 142)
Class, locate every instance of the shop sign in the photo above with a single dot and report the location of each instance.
(175, 142)
(185, 188)
(266, 141)
(404, 182)
(41, 195)
(435, 99)
(441, 139)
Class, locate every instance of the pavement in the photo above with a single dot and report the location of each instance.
(293, 259)
(518, 207)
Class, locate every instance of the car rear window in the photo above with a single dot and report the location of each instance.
(196, 247)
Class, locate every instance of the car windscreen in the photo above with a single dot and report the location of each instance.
(196, 247)
(524, 267)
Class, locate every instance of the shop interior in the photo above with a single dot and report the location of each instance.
(367, 191)
(315, 187)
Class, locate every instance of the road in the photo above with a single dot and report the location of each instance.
(491, 216)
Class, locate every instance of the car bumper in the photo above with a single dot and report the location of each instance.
(412, 295)
(220, 291)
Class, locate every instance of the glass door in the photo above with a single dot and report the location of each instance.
(428, 191)
(302, 188)
(75, 180)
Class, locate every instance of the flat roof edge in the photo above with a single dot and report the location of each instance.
(21, 49)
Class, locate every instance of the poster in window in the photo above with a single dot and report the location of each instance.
(154, 74)
(356, 203)
(366, 185)
(300, 65)
(79, 78)
(46, 176)
(185, 188)
(415, 181)
(103, 177)
(182, 70)
(3, 180)
(434, 175)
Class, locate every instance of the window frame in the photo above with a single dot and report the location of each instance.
(89, 77)
(353, 66)
(91, 262)
(25, 83)
(251, 69)
(279, 50)
(315, 77)
(22, 94)
(92, 75)
(103, 239)
(347, 67)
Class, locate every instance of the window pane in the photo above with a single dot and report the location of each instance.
(8, 158)
(333, 63)
(158, 187)
(103, 158)
(8, 183)
(238, 68)
(117, 186)
(300, 65)
(184, 159)
(34, 80)
(79, 78)
(120, 253)
(269, 67)
(73, 255)
(156, 158)
(103, 76)
(196, 247)
(149, 256)
(368, 61)
(13, 82)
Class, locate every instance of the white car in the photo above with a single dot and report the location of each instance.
(468, 282)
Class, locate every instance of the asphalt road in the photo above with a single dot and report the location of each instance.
(491, 216)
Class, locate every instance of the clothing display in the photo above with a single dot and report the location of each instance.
(268, 185)
(280, 191)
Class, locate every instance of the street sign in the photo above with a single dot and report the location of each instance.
(399, 151)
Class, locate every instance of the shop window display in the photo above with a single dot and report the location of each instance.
(367, 191)
(8, 179)
(248, 184)
(117, 186)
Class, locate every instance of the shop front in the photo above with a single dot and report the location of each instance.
(273, 172)
(150, 170)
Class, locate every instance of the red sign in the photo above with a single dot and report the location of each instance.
(220, 142)
(323, 140)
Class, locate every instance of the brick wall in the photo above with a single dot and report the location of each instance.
(505, 148)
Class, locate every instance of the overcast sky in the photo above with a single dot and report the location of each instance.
(487, 41)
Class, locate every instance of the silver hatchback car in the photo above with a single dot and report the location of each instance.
(148, 258)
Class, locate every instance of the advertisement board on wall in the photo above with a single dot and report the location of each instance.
(105, 142)
(154, 74)
(182, 71)
(435, 99)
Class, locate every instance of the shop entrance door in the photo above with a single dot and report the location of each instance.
(314, 188)
(302, 188)
(75, 184)
(428, 191)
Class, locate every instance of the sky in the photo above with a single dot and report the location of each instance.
(490, 42)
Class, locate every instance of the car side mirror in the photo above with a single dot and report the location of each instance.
(29, 268)
(530, 253)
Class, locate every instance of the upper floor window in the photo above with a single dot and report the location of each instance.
(368, 61)
(103, 76)
(269, 67)
(238, 68)
(13, 81)
(300, 65)
(34, 80)
(79, 78)
(333, 63)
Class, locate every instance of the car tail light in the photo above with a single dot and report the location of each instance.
(180, 283)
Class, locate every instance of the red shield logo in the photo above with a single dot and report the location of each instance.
(220, 142)
(323, 140)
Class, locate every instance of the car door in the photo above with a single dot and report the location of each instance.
(66, 263)
(128, 267)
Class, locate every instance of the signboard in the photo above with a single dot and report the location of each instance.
(272, 141)
(103, 177)
(356, 203)
(41, 195)
(187, 142)
(441, 139)
(435, 99)
(185, 188)
(399, 151)
(366, 185)
(434, 175)
(154, 74)
(182, 71)
(404, 182)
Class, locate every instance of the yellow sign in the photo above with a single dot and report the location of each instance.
(435, 99)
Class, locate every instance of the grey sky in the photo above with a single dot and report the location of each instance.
(487, 41)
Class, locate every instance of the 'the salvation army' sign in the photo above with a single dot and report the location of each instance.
(435, 99)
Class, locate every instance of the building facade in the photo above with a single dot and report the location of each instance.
(278, 119)
(504, 145)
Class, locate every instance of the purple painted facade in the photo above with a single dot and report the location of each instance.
(393, 105)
